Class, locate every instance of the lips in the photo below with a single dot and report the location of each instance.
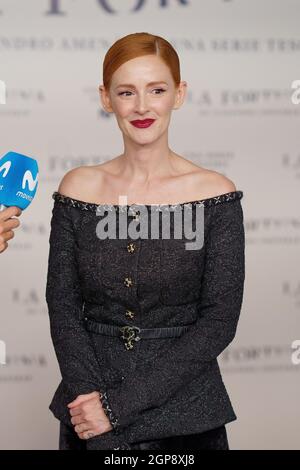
(142, 123)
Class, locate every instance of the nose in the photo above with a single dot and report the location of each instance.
(141, 105)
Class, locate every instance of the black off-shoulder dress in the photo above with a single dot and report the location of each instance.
(142, 319)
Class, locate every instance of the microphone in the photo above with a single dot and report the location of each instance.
(18, 180)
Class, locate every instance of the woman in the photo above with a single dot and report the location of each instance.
(137, 323)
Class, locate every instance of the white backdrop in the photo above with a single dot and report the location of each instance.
(239, 59)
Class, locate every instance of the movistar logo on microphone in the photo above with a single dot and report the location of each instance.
(31, 183)
(28, 180)
(18, 180)
(6, 167)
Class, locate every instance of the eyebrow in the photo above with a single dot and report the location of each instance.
(132, 86)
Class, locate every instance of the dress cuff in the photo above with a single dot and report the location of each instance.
(108, 411)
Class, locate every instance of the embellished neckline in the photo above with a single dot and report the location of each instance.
(84, 205)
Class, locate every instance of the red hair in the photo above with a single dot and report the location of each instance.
(136, 45)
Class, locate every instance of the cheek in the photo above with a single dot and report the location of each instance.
(164, 106)
(123, 109)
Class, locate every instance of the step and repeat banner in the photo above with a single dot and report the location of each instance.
(241, 117)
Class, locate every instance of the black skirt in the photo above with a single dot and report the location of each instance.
(214, 439)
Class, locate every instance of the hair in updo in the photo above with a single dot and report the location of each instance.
(136, 45)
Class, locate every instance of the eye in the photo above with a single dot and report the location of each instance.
(122, 93)
(161, 90)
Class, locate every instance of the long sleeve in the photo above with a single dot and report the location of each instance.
(78, 363)
(76, 358)
(221, 292)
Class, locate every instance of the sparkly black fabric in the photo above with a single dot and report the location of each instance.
(215, 439)
(162, 387)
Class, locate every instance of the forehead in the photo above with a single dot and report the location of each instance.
(143, 69)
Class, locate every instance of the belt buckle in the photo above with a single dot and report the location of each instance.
(130, 335)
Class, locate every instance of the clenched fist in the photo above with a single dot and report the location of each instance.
(88, 416)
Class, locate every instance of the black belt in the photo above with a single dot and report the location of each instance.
(133, 333)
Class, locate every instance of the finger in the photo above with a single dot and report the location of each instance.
(75, 411)
(9, 225)
(82, 398)
(10, 212)
(12, 223)
(76, 402)
(3, 246)
(8, 235)
(80, 428)
(4, 237)
(77, 420)
(16, 211)
(87, 408)
(86, 435)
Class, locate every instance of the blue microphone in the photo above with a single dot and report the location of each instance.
(18, 180)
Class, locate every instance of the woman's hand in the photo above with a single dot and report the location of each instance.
(88, 416)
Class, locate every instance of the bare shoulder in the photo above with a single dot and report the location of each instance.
(219, 184)
(211, 183)
(202, 183)
(80, 182)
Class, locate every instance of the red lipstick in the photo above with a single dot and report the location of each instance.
(142, 123)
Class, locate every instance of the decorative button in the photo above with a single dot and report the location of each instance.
(130, 334)
(128, 282)
(129, 314)
(130, 247)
